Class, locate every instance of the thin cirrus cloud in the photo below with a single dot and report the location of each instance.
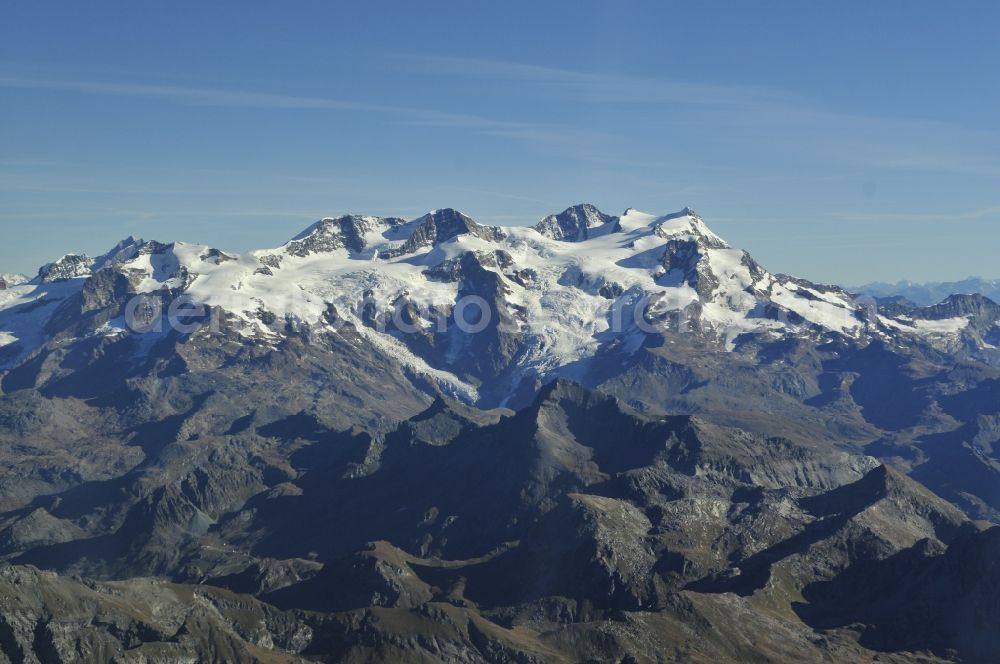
(773, 121)
(987, 213)
(788, 122)
(596, 86)
(194, 96)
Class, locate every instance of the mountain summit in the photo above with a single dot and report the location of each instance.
(580, 289)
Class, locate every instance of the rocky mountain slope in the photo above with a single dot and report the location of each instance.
(575, 529)
(604, 438)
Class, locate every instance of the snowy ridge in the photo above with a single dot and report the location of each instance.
(577, 283)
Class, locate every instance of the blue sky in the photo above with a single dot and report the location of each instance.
(842, 142)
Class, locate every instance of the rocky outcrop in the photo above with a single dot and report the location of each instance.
(440, 226)
(9, 280)
(69, 266)
(961, 305)
(926, 597)
(46, 618)
(348, 232)
(122, 252)
(577, 223)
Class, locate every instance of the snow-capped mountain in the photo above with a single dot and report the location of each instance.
(7, 280)
(69, 266)
(652, 423)
(556, 298)
(72, 266)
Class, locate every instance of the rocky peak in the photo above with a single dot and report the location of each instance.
(961, 305)
(71, 266)
(895, 305)
(884, 484)
(564, 395)
(689, 225)
(346, 232)
(12, 279)
(153, 248)
(67, 267)
(575, 224)
(562, 389)
(445, 418)
(216, 256)
(443, 225)
(122, 252)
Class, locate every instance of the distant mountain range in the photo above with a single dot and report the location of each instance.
(926, 294)
(601, 438)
